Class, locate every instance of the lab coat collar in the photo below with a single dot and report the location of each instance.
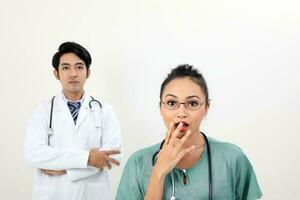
(62, 101)
(61, 109)
(84, 110)
(66, 100)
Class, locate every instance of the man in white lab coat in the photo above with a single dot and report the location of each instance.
(72, 139)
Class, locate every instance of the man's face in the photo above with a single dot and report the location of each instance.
(72, 74)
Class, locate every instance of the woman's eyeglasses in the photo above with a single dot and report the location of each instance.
(189, 104)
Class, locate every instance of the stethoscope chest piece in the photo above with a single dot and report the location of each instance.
(50, 133)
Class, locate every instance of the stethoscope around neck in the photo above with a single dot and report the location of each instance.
(154, 157)
(50, 129)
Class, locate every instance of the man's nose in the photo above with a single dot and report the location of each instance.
(73, 72)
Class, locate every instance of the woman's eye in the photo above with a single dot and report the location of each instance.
(172, 103)
(193, 103)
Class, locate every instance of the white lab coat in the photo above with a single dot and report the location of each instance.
(69, 149)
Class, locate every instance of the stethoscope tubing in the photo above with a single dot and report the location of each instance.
(50, 130)
(209, 167)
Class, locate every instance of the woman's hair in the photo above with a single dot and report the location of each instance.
(72, 47)
(189, 71)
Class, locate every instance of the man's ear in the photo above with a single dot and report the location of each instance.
(160, 108)
(88, 72)
(56, 74)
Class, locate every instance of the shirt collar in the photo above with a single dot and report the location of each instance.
(66, 100)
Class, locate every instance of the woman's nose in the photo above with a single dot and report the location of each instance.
(181, 111)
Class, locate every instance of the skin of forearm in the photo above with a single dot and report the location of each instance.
(155, 187)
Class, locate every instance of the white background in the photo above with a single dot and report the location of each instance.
(247, 50)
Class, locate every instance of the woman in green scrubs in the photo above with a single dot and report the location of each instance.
(180, 169)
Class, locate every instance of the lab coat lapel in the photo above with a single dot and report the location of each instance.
(61, 110)
(84, 110)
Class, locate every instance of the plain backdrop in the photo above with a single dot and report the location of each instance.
(248, 52)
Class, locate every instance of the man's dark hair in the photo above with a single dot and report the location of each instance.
(71, 47)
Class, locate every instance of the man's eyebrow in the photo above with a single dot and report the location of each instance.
(64, 64)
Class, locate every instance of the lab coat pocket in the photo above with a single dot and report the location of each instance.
(97, 191)
(95, 135)
(44, 192)
(45, 187)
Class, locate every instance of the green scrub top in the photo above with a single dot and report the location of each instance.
(233, 177)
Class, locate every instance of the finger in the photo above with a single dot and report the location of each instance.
(114, 161)
(111, 152)
(169, 133)
(184, 152)
(175, 133)
(58, 172)
(47, 172)
(51, 172)
(184, 138)
(108, 165)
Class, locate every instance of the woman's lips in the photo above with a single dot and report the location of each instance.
(184, 127)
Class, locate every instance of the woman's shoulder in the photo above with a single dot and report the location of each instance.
(145, 152)
(226, 149)
(216, 143)
(143, 155)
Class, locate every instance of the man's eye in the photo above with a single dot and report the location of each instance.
(80, 67)
(65, 68)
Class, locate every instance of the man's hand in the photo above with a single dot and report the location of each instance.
(101, 159)
(53, 172)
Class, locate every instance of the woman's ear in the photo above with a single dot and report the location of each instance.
(207, 105)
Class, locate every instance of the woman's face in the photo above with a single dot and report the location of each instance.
(183, 90)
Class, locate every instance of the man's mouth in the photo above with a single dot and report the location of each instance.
(184, 128)
(72, 82)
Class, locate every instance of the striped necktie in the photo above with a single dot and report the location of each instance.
(74, 109)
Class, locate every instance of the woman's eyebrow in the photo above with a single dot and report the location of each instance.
(193, 96)
(189, 97)
(171, 95)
